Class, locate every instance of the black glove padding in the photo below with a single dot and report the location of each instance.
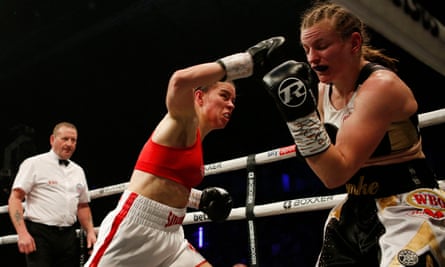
(294, 87)
(251, 62)
(216, 202)
(265, 54)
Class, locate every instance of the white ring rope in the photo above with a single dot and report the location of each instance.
(432, 118)
(275, 208)
(270, 209)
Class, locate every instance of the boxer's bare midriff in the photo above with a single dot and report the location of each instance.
(159, 189)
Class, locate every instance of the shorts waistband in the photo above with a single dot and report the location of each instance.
(145, 211)
(383, 181)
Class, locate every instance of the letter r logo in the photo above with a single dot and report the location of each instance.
(292, 92)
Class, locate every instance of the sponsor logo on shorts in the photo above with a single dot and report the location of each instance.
(430, 203)
(361, 188)
(427, 213)
(173, 219)
(407, 257)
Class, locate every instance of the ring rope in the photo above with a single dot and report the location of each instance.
(270, 209)
(275, 208)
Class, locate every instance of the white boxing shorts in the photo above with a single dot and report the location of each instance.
(142, 232)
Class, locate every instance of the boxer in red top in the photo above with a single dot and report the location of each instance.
(145, 229)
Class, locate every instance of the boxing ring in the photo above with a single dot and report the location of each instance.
(250, 211)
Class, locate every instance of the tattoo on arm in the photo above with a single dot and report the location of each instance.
(18, 217)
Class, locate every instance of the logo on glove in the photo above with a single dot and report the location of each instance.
(292, 92)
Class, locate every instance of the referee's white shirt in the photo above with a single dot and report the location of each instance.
(53, 191)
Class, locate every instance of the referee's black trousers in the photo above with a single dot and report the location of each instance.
(55, 246)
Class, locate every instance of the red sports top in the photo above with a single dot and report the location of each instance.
(182, 165)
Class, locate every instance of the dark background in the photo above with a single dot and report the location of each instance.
(104, 65)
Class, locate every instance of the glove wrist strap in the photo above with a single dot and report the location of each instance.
(309, 135)
(194, 198)
(237, 66)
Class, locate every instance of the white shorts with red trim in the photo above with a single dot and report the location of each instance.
(142, 232)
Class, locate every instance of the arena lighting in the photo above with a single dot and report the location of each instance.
(201, 237)
(407, 24)
(285, 182)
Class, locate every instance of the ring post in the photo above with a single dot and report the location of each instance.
(250, 215)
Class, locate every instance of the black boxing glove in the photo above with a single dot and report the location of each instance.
(215, 202)
(264, 54)
(253, 61)
(294, 87)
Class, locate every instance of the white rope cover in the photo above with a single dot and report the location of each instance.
(270, 209)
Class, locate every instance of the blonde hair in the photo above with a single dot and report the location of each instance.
(345, 23)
